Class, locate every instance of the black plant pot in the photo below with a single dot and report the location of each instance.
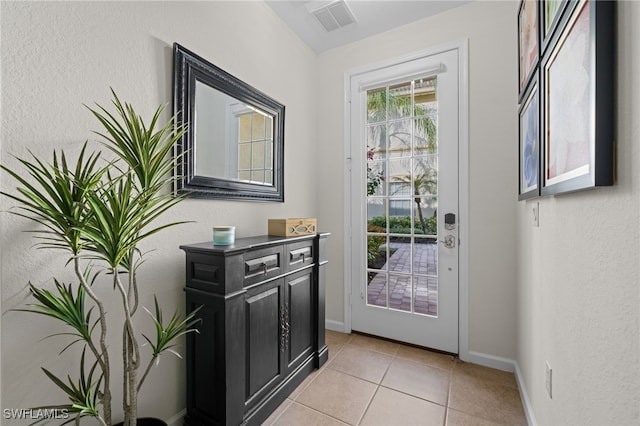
(146, 421)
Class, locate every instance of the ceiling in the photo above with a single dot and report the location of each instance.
(372, 17)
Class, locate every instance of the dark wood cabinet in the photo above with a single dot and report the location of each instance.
(262, 332)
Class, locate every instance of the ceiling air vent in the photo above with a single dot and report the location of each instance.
(334, 15)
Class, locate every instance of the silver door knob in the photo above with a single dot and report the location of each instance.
(449, 241)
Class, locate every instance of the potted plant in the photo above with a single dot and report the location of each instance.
(97, 212)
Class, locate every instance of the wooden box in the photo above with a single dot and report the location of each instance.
(293, 227)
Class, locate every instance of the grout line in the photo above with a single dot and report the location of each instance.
(368, 405)
(446, 409)
(317, 411)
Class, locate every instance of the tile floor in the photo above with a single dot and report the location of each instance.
(368, 381)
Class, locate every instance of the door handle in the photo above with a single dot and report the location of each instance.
(449, 241)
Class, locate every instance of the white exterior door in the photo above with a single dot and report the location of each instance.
(403, 211)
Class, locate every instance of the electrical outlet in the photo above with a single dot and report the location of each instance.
(535, 214)
(549, 377)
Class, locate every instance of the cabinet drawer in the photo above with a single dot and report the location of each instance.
(298, 255)
(260, 265)
(206, 273)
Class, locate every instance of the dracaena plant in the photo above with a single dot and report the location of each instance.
(98, 212)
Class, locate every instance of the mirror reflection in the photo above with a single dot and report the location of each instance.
(233, 139)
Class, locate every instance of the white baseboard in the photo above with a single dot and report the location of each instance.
(178, 419)
(334, 325)
(512, 366)
(492, 361)
(524, 397)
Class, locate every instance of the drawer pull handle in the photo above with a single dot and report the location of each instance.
(261, 265)
(299, 255)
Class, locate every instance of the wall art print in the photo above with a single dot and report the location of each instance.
(529, 144)
(568, 85)
(577, 93)
(569, 74)
(527, 40)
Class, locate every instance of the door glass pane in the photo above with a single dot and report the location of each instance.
(400, 254)
(402, 200)
(377, 289)
(400, 101)
(377, 142)
(425, 135)
(377, 215)
(426, 295)
(377, 105)
(376, 176)
(426, 97)
(425, 257)
(425, 175)
(425, 213)
(400, 292)
(377, 251)
(400, 136)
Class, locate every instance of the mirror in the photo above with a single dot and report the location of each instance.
(234, 144)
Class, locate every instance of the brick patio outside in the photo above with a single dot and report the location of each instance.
(426, 286)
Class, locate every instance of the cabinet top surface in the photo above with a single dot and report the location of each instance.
(247, 243)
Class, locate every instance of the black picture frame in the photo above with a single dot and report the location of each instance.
(577, 98)
(529, 142)
(189, 68)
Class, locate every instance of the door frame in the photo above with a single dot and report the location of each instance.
(463, 184)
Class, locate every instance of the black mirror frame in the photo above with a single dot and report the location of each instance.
(187, 68)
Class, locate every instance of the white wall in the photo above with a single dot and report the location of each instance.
(57, 56)
(579, 281)
(490, 28)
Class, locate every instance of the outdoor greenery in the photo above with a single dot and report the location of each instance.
(402, 225)
(98, 212)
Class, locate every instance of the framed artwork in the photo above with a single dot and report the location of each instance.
(529, 149)
(527, 41)
(551, 12)
(578, 100)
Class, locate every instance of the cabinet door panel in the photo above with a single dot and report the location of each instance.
(300, 304)
(204, 359)
(263, 338)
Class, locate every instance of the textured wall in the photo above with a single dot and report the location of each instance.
(578, 280)
(490, 28)
(57, 56)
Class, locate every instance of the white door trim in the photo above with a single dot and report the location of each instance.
(463, 169)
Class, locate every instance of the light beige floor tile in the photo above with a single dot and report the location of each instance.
(297, 415)
(336, 338)
(425, 356)
(398, 409)
(486, 399)
(335, 342)
(277, 412)
(339, 395)
(420, 380)
(362, 363)
(487, 374)
(305, 383)
(377, 345)
(457, 418)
